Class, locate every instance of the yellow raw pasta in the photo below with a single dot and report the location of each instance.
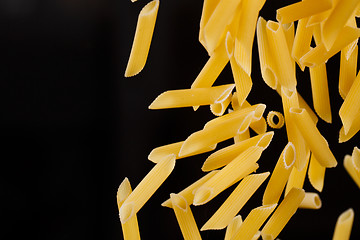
(208, 8)
(297, 177)
(270, 119)
(142, 40)
(146, 188)
(187, 193)
(233, 226)
(320, 91)
(185, 217)
(253, 222)
(131, 227)
(316, 142)
(283, 213)
(302, 9)
(242, 136)
(343, 225)
(228, 175)
(350, 167)
(356, 160)
(218, 109)
(348, 69)
(258, 126)
(237, 199)
(354, 128)
(311, 201)
(225, 155)
(280, 175)
(316, 174)
(302, 41)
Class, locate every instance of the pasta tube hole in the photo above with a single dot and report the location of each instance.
(289, 155)
(265, 140)
(273, 26)
(179, 201)
(346, 216)
(126, 212)
(297, 110)
(229, 45)
(202, 196)
(150, 7)
(317, 202)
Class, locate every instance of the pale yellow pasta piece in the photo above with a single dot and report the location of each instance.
(184, 217)
(354, 128)
(356, 160)
(302, 9)
(225, 155)
(228, 175)
(343, 225)
(270, 119)
(303, 104)
(266, 56)
(280, 175)
(332, 27)
(187, 193)
(208, 8)
(157, 154)
(146, 188)
(233, 226)
(131, 227)
(351, 169)
(242, 80)
(142, 40)
(311, 201)
(348, 69)
(290, 99)
(253, 222)
(282, 214)
(320, 91)
(349, 110)
(316, 142)
(234, 203)
(316, 174)
(289, 35)
(297, 178)
(350, 48)
(281, 53)
(258, 126)
(320, 54)
(302, 41)
(242, 136)
(245, 34)
(218, 109)
(192, 97)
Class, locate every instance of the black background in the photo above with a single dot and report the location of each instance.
(72, 127)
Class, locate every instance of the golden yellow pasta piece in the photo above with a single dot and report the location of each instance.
(350, 167)
(316, 174)
(311, 201)
(354, 128)
(253, 222)
(131, 227)
(237, 199)
(228, 175)
(290, 99)
(302, 9)
(349, 110)
(218, 109)
(281, 53)
(225, 155)
(348, 69)
(187, 193)
(332, 27)
(271, 122)
(208, 9)
(184, 217)
(297, 177)
(266, 56)
(282, 214)
(280, 175)
(258, 126)
(242, 136)
(343, 225)
(356, 160)
(233, 226)
(142, 40)
(316, 142)
(192, 97)
(146, 188)
(320, 91)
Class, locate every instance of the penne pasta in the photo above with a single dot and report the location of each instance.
(253, 222)
(316, 174)
(187, 193)
(208, 8)
(225, 155)
(270, 119)
(258, 126)
(142, 40)
(297, 177)
(283, 213)
(302, 9)
(218, 109)
(350, 167)
(234, 203)
(280, 175)
(235, 170)
(355, 157)
(302, 41)
(131, 227)
(320, 92)
(354, 128)
(242, 136)
(316, 142)
(311, 201)
(349, 110)
(146, 188)
(185, 217)
(348, 69)
(233, 226)
(343, 225)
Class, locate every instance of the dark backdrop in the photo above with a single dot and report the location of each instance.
(72, 127)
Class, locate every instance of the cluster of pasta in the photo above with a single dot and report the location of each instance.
(227, 31)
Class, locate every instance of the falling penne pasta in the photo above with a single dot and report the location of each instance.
(297, 177)
(343, 225)
(208, 8)
(348, 68)
(316, 174)
(351, 169)
(311, 201)
(233, 226)
(270, 119)
(142, 40)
